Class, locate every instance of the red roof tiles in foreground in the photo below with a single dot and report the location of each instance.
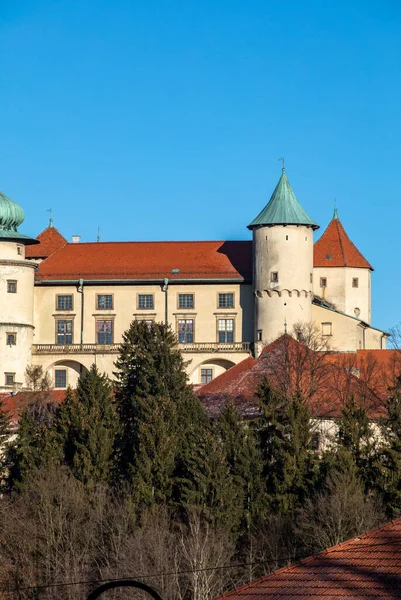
(50, 240)
(335, 249)
(365, 567)
(149, 260)
(14, 404)
(325, 379)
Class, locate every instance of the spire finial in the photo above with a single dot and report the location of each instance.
(282, 164)
(98, 234)
(335, 215)
(49, 210)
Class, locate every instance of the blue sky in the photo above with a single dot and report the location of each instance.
(164, 119)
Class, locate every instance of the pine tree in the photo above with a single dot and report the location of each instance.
(153, 402)
(290, 464)
(86, 426)
(388, 480)
(244, 456)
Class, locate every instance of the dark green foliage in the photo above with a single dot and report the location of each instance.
(389, 462)
(86, 426)
(154, 403)
(243, 453)
(290, 465)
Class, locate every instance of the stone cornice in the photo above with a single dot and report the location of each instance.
(18, 263)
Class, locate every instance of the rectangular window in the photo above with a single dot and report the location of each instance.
(11, 339)
(185, 331)
(19, 250)
(145, 300)
(9, 378)
(274, 276)
(311, 277)
(206, 375)
(355, 282)
(60, 378)
(323, 282)
(11, 286)
(64, 302)
(185, 300)
(104, 331)
(326, 329)
(226, 301)
(64, 332)
(225, 330)
(104, 301)
(259, 335)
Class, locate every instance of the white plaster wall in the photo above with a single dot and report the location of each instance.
(287, 250)
(340, 292)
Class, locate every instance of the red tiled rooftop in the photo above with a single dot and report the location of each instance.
(149, 260)
(50, 240)
(325, 379)
(365, 567)
(335, 249)
(14, 404)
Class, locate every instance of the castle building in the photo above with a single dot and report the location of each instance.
(66, 305)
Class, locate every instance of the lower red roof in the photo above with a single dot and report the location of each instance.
(368, 566)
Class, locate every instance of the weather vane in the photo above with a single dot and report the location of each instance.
(282, 163)
(49, 210)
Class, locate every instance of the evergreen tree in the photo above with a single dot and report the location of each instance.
(388, 480)
(153, 403)
(86, 426)
(290, 464)
(244, 456)
(355, 441)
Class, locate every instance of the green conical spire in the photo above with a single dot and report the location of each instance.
(11, 216)
(283, 208)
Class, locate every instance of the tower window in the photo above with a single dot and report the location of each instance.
(286, 237)
(259, 335)
(11, 339)
(9, 378)
(19, 250)
(311, 277)
(323, 282)
(274, 276)
(355, 282)
(11, 286)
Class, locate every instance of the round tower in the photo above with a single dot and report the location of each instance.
(16, 297)
(282, 264)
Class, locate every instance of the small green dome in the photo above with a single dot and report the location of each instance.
(11, 216)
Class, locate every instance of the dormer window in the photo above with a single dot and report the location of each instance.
(274, 276)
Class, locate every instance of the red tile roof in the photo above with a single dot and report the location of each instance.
(325, 379)
(50, 240)
(366, 567)
(335, 249)
(149, 260)
(14, 404)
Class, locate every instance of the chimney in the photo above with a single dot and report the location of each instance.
(76, 239)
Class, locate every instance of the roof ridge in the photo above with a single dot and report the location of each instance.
(159, 242)
(337, 224)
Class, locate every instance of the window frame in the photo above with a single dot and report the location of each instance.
(11, 333)
(100, 320)
(355, 279)
(10, 283)
(64, 296)
(273, 276)
(219, 294)
(138, 296)
(180, 295)
(178, 321)
(206, 376)
(60, 387)
(323, 279)
(106, 307)
(9, 374)
(57, 333)
(327, 323)
(226, 331)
